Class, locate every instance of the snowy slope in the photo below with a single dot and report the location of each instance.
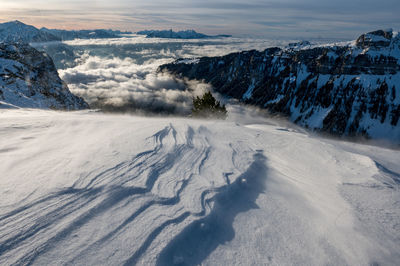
(85, 188)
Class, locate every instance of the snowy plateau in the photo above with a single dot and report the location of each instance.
(84, 188)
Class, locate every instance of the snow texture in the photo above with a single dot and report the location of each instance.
(85, 188)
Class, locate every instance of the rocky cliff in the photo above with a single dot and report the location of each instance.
(28, 78)
(345, 89)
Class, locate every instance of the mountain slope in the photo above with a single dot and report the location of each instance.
(350, 89)
(28, 78)
(84, 188)
(16, 31)
(82, 34)
(186, 34)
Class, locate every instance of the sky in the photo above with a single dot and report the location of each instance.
(288, 19)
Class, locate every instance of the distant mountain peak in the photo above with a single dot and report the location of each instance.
(17, 31)
(183, 34)
(378, 38)
(17, 22)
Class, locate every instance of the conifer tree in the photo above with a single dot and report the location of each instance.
(208, 106)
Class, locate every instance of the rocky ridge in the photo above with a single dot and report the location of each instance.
(347, 89)
(28, 78)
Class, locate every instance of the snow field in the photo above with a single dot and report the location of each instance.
(86, 188)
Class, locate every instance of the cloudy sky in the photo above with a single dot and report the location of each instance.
(266, 18)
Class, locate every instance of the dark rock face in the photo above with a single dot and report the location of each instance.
(28, 78)
(349, 90)
(379, 38)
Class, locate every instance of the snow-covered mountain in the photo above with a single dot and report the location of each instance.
(28, 78)
(16, 31)
(345, 89)
(84, 188)
(83, 34)
(186, 34)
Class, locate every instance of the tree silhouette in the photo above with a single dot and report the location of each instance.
(208, 106)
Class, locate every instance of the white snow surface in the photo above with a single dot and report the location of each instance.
(85, 188)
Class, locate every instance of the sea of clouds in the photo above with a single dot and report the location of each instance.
(120, 75)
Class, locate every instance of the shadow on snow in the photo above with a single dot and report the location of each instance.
(200, 238)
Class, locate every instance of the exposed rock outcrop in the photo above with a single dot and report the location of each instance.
(28, 78)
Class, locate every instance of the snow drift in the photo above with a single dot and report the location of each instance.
(86, 188)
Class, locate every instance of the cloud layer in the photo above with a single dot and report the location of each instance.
(121, 74)
(122, 85)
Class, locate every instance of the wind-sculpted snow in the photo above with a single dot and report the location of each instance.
(201, 237)
(87, 189)
(162, 177)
